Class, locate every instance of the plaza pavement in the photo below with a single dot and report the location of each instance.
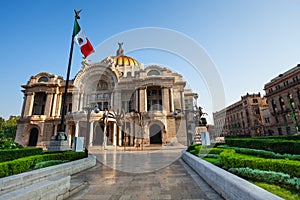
(155, 172)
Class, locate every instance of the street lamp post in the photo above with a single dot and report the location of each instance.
(89, 110)
(139, 116)
(118, 116)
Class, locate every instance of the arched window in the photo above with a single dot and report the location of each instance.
(43, 79)
(274, 106)
(102, 85)
(153, 72)
(281, 102)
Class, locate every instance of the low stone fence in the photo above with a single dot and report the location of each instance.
(226, 184)
(50, 182)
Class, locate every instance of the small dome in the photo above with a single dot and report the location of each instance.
(125, 61)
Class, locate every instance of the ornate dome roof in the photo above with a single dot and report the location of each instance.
(125, 61)
(120, 59)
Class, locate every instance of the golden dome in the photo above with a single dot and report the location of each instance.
(125, 61)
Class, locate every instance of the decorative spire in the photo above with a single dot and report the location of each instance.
(120, 51)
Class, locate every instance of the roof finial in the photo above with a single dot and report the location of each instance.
(120, 51)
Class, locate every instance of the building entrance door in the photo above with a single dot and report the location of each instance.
(33, 137)
(155, 134)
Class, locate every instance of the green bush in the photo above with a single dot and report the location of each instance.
(24, 164)
(9, 144)
(282, 137)
(209, 155)
(216, 151)
(264, 153)
(232, 160)
(272, 177)
(12, 154)
(275, 145)
(195, 148)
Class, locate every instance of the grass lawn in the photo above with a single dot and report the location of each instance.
(277, 190)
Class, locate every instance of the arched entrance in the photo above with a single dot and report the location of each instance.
(155, 134)
(33, 137)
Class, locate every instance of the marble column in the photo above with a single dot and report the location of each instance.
(171, 99)
(54, 105)
(80, 102)
(143, 99)
(29, 104)
(165, 99)
(59, 100)
(23, 106)
(131, 133)
(120, 135)
(48, 104)
(115, 134)
(91, 134)
(76, 128)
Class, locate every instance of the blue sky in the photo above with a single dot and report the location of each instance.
(249, 41)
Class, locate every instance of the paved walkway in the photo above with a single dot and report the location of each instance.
(154, 173)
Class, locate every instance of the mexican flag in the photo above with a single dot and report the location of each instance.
(82, 41)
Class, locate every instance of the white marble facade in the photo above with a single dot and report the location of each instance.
(147, 95)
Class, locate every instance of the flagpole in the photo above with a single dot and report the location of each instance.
(61, 131)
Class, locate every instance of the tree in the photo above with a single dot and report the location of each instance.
(8, 127)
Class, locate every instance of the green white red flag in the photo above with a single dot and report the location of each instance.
(82, 41)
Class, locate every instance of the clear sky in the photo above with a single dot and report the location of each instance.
(249, 41)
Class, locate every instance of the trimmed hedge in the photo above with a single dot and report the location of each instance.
(198, 149)
(12, 154)
(24, 164)
(282, 137)
(275, 145)
(268, 176)
(264, 153)
(232, 160)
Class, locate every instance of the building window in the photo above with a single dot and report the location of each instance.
(295, 79)
(43, 79)
(285, 83)
(39, 103)
(274, 106)
(254, 100)
(154, 99)
(153, 72)
(277, 87)
(291, 101)
(102, 85)
(267, 120)
(281, 103)
(270, 90)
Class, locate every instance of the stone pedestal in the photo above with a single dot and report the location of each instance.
(59, 142)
